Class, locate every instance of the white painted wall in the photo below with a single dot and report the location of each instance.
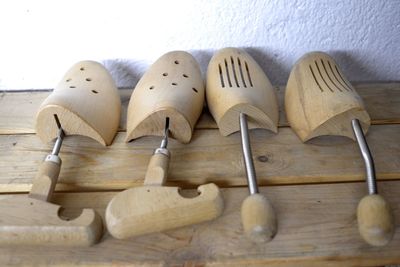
(40, 40)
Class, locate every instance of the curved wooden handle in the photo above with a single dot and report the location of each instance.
(45, 181)
(375, 220)
(258, 218)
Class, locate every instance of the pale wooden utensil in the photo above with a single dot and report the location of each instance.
(172, 90)
(237, 89)
(172, 87)
(319, 101)
(85, 102)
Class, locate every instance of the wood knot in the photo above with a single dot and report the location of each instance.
(262, 158)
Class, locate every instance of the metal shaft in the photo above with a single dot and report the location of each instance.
(164, 142)
(60, 137)
(247, 156)
(367, 157)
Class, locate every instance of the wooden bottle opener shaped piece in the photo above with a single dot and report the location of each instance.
(237, 89)
(77, 106)
(168, 99)
(319, 101)
(172, 87)
(87, 103)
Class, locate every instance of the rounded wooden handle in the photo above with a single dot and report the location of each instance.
(45, 181)
(258, 218)
(157, 170)
(375, 220)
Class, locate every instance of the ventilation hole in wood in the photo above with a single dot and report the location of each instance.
(221, 76)
(227, 73)
(165, 74)
(94, 92)
(329, 77)
(248, 74)
(336, 78)
(241, 72)
(194, 89)
(151, 87)
(322, 77)
(184, 75)
(176, 62)
(72, 86)
(234, 72)
(68, 80)
(315, 79)
(82, 68)
(341, 77)
(174, 84)
(88, 79)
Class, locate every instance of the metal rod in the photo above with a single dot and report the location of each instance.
(60, 137)
(164, 141)
(247, 156)
(367, 157)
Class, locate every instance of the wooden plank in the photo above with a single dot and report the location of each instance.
(279, 159)
(18, 109)
(317, 227)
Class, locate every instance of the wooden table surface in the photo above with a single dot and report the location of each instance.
(314, 187)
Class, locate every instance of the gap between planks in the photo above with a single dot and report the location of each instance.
(280, 159)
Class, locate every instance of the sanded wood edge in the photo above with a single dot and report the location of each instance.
(154, 124)
(257, 119)
(72, 124)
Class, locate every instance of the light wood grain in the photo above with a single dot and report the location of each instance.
(28, 221)
(319, 100)
(210, 157)
(237, 84)
(172, 87)
(17, 108)
(319, 222)
(86, 102)
(149, 209)
(258, 218)
(154, 207)
(45, 181)
(375, 220)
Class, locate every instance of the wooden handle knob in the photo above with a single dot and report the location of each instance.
(375, 220)
(45, 181)
(258, 218)
(157, 170)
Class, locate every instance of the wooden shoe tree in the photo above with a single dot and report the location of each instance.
(319, 101)
(235, 84)
(32, 220)
(167, 100)
(87, 103)
(172, 87)
(240, 96)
